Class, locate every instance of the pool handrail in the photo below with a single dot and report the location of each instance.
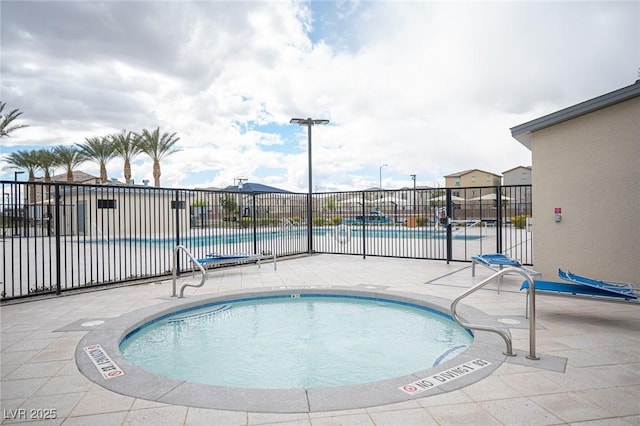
(175, 270)
(504, 335)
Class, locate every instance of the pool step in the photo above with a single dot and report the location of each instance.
(201, 315)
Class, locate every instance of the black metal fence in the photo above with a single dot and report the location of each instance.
(58, 237)
(445, 224)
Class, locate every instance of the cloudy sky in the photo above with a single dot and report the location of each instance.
(425, 88)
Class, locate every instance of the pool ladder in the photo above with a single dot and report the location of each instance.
(203, 271)
(502, 333)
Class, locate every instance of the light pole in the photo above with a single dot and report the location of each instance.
(381, 167)
(241, 180)
(6, 201)
(413, 177)
(15, 206)
(309, 122)
(380, 183)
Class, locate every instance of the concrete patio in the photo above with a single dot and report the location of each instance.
(600, 341)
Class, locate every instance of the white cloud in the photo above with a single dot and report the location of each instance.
(428, 88)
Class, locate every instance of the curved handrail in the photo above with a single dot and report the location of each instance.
(505, 336)
(175, 272)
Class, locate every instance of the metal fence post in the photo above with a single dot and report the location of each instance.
(177, 212)
(498, 219)
(364, 229)
(255, 223)
(56, 191)
(449, 217)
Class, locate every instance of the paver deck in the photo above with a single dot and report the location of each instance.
(600, 341)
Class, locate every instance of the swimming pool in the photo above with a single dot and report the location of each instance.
(99, 358)
(296, 341)
(248, 236)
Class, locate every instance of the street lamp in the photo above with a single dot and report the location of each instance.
(413, 177)
(381, 167)
(241, 180)
(15, 206)
(309, 122)
(380, 187)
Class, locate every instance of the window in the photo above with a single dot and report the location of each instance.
(457, 181)
(488, 178)
(524, 175)
(473, 178)
(106, 204)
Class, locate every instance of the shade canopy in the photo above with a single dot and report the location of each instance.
(395, 201)
(255, 188)
(491, 197)
(355, 201)
(443, 199)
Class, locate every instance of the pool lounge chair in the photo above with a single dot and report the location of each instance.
(215, 259)
(626, 289)
(497, 261)
(579, 286)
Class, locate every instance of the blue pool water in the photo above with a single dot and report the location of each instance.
(354, 233)
(297, 341)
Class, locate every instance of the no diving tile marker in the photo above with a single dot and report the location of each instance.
(443, 377)
(105, 365)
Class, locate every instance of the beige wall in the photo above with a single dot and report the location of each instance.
(137, 214)
(589, 167)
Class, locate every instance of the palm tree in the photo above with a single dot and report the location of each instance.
(126, 146)
(28, 161)
(6, 120)
(47, 161)
(157, 147)
(68, 157)
(25, 160)
(99, 150)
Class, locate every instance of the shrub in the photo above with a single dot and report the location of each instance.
(246, 222)
(319, 221)
(336, 220)
(520, 221)
(422, 221)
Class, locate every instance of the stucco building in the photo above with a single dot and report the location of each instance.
(521, 175)
(472, 178)
(586, 193)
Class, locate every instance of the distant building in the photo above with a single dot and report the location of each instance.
(586, 195)
(521, 175)
(78, 177)
(472, 178)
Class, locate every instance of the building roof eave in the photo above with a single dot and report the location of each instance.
(522, 133)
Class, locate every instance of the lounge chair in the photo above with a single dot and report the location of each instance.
(626, 289)
(497, 261)
(579, 286)
(215, 259)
